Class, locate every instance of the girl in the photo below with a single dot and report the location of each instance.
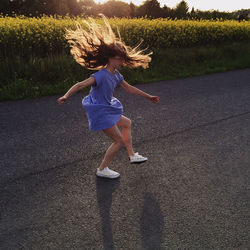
(99, 49)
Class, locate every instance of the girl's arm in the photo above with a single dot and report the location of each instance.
(75, 88)
(136, 91)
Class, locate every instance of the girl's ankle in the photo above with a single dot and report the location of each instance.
(131, 154)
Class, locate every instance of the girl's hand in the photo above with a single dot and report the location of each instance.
(154, 99)
(62, 100)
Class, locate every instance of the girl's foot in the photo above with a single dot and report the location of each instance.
(136, 158)
(107, 173)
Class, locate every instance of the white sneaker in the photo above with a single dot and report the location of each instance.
(107, 173)
(136, 158)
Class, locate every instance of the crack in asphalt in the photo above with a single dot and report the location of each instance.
(182, 131)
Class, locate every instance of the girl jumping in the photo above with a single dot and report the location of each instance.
(100, 49)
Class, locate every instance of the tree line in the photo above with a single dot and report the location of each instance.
(113, 8)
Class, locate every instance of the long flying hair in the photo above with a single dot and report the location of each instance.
(92, 48)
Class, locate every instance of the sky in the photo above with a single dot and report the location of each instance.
(221, 5)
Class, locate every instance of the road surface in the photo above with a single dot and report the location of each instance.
(192, 193)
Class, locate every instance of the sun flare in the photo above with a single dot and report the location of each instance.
(223, 5)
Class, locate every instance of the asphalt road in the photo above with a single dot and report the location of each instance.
(192, 193)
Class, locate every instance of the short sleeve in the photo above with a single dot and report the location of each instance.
(98, 77)
(120, 78)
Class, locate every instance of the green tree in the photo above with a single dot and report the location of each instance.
(181, 9)
(74, 7)
(192, 12)
(153, 8)
(243, 15)
(63, 7)
(88, 7)
(132, 9)
(37, 7)
(150, 8)
(115, 8)
(166, 12)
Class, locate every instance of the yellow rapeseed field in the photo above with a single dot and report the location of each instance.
(23, 36)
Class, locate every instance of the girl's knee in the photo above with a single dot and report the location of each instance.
(125, 122)
(128, 123)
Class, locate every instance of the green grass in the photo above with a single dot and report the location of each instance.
(54, 75)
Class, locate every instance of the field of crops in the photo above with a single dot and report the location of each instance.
(23, 36)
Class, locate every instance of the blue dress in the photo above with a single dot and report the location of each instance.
(103, 110)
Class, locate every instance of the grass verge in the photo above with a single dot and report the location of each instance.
(54, 75)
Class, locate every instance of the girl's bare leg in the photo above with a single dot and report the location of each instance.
(115, 134)
(125, 123)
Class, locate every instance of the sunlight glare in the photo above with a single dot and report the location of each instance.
(223, 5)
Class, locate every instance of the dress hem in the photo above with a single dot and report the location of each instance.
(113, 124)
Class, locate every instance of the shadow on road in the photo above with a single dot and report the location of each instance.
(104, 190)
(151, 223)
